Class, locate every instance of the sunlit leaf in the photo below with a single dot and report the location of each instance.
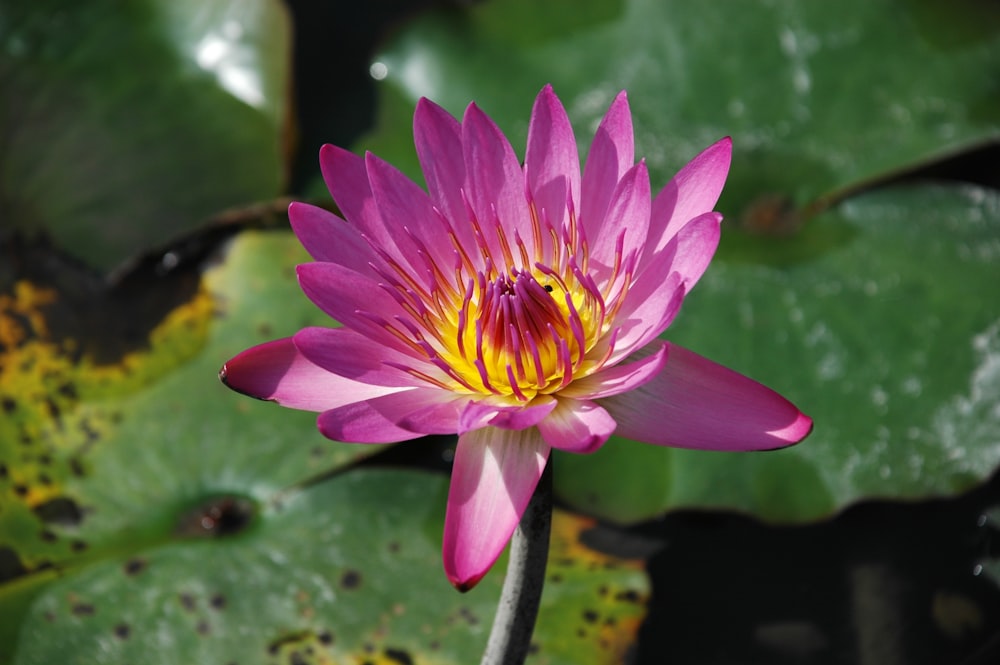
(880, 321)
(123, 125)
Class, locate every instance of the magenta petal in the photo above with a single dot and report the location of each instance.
(619, 378)
(494, 475)
(693, 191)
(399, 416)
(438, 139)
(276, 371)
(359, 358)
(692, 248)
(650, 307)
(696, 403)
(347, 179)
(346, 296)
(577, 426)
(551, 162)
(400, 199)
(612, 153)
(329, 238)
(483, 412)
(494, 179)
(628, 213)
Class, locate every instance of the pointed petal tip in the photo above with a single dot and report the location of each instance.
(466, 584)
(794, 433)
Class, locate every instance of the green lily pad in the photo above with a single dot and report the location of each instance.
(348, 570)
(102, 452)
(818, 97)
(125, 125)
(880, 320)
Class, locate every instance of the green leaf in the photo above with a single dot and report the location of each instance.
(814, 96)
(347, 571)
(880, 321)
(102, 452)
(124, 125)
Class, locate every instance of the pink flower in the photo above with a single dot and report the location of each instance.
(517, 307)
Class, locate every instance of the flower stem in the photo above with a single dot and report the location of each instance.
(522, 588)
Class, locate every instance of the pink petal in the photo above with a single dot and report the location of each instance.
(628, 212)
(327, 237)
(577, 426)
(346, 177)
(618, 379)
(360, 358)
(696, 403)
(693, 191)
(612, 153)
(551, 163)
(438, 139)
(494, 179)
(399, 416)
(651, 306)
(483, 412)
(345, 295)
(494, 475)
(398, 198)
(691, 250)
(276, 371)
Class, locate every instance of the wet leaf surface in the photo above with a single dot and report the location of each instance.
(880, 321)
(117, 121)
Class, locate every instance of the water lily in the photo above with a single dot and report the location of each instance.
(518, 307)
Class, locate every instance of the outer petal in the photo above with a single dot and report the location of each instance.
(403, 415)
(494, 179)
(577, 426)
(651, 307)
(494, 475)
(612, 153)
(690, 251)
(693, 191)
(551, 162)
(483, 412)
(438, 139)
(327, 237)
(346, 177)
(360, 358)
(347, 296)
(276, 371)
(400, 199)
(618, 379)
(628, 214)
(696, 403)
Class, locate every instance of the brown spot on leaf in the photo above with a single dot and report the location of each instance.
(59, 510)
(83, 609)
(400, 656)
(10, 564)
(187, 601)
(350, 580)
(325, 638)
(590, 616)
(219, 517)
(217, 601)
(122, 631)
(134, 566)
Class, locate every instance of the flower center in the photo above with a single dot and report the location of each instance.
(522, 333)
(528, 328)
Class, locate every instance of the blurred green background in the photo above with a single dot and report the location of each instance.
(148, 150)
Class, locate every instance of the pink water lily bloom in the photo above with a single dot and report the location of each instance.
(519, 307)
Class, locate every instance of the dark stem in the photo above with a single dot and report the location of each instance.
(522, 588)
